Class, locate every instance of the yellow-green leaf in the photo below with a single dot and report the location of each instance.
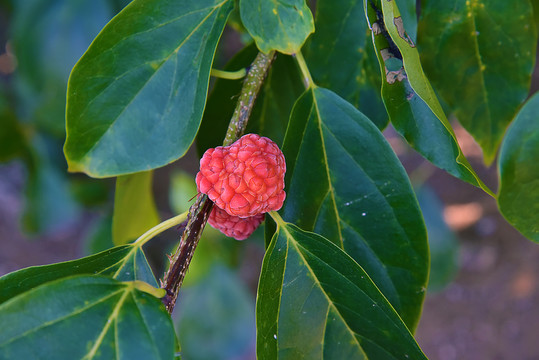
(134, 207)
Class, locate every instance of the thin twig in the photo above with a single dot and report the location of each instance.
(200, 210)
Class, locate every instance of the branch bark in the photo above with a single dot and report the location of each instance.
(200, 210)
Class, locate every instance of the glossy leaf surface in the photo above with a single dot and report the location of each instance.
(125, 263)
(86, 317)
(344, 182)
(518, 196)
(341, 58)
(314, 301)
(281, 25)
(413, 108)
(480, 61)
(134, 207)
(136, 97)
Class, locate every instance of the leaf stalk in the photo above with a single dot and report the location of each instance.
(307, 78)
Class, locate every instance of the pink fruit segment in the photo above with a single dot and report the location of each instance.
(245, 178)
(234, 226)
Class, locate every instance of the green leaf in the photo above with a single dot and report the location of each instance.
(316, 302)
(134, 207)
(518, 196)
(48, 37)
(13, 141)
(272, 108)
(340, 57)
(86, 317)
(126, 263)
(136, 97)
(182, 191)
(99, 236)
(480, 60)
(281, 25)
(49, 204)
(535, 5)
(413, 108)
(344, 182)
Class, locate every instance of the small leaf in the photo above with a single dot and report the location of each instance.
(340, 57)
(126, 263)
(136, 97)
(86, 317)
(413, 108)
(518, 196)
(316, 302)
(344, 182)
(281, 25)
(134, 207)
(480, 61)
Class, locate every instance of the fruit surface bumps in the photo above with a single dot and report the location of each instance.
(245, 178)
(234, 226)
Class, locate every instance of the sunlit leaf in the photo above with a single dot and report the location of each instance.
(316, 302)
(413, 108)
(86, 317)
(134, 207)
(344, 182)
(281, 25)
(480, 60)
(136, 97)
(518, 196)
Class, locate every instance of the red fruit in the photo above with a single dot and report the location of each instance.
(245, 178)
(234, 226)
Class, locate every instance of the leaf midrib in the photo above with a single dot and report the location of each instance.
(481, 67)
(291, 239)
(111, 319)
(52, 322)
(330, 302)
(326, 164)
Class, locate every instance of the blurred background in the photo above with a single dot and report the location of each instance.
(484, 288)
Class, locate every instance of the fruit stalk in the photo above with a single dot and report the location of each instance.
(200, 210)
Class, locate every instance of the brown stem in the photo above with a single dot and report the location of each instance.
(200, 210)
